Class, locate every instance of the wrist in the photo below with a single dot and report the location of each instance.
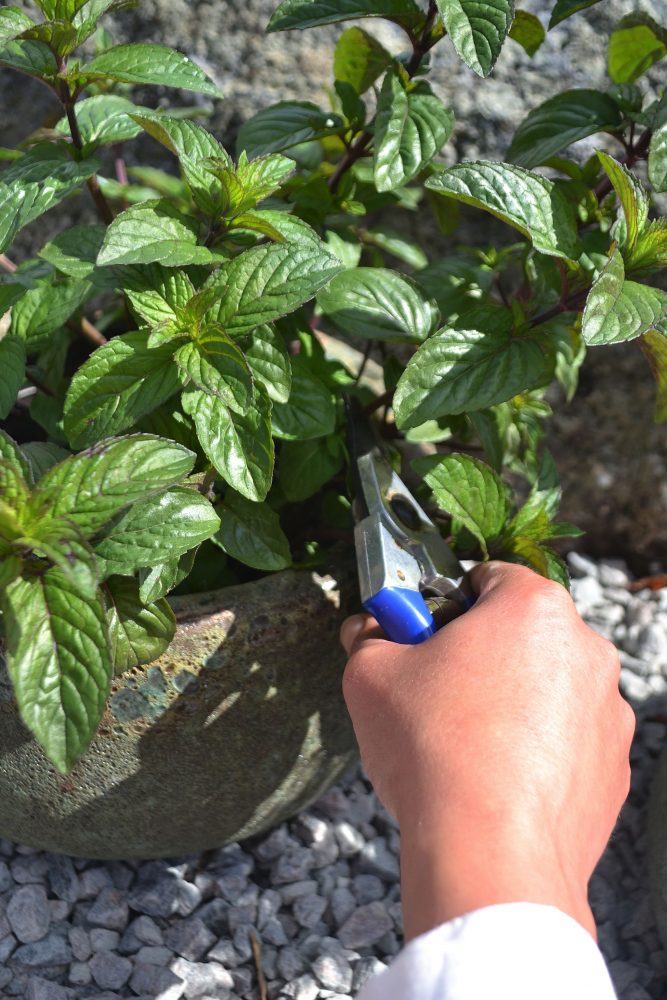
(451, 867)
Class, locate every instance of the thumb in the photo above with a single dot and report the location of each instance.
(356, 630)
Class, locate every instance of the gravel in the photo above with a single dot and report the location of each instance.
(320, 893)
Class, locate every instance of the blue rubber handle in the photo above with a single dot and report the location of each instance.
(402, 614)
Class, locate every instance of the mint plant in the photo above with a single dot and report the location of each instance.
(171, 416)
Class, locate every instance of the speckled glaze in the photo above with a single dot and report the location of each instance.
(238, 725)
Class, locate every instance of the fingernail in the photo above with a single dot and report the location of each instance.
(349, 631)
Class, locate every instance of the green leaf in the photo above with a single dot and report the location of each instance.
(630, 193)
(59, 663)
(36, 182)
(566, 8)
(41, 456)
(310, 411)
(304, 467)
(10, 568)
(12, 366)
(456, 283)
(477, 29)
(93, 486)
(31, 57)
(14, 473)
(74, 251)
(61, 541)
(556, 568)
(309, 13)
(162, 527)
(636, 44)
(138, 633)
(158, 579)
(47, 306)
(245, 185)
(617, 310)
(267, 282)
(474, 364)
(654, 345)
(527, 30)
(657, 159)
(284, 125)
(392, 242)
(269, 361)
(411, 126)
(560, 121)
(650, 250)
(470, 491)
(527, 201)
(13, 22)
(151, 64)
(359, 59)
(102, 120)
(158, 295)
(239, 445)
(217, 367)
(154, 231)
(251, 533)
(378, 304)
(118, 384)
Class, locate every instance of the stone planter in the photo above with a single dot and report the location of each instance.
(238, 725)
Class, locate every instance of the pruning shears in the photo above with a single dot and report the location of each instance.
(409, 578)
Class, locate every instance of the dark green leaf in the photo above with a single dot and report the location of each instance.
(477, 29)
(284, 125)
(411, 126)
(118, 384)
(239, 445)
(162, 527)
(470, 491)
(10, 565)
(487, 428)
(379, 304)
(269, 361)
(310, 411)
(93, 486)
(527, 201)
(475, 364)
(46, 307)
(306, 466)
(74, 251)
(154, 231)
(566, 8)
(657, 159)
(560, 121)
(654, 345)
(137, 633)
(41, 456)
(59, 663)
(392, 242)
(359, 59)
(267, 282)
(218, 367)
(158, 579)
(251, 533)
(12, 366)
(456, 283)
(309, 13)
(635, 45)
(103, 119)
(27, 56)
(152, 64)
(617, 310)
(527, 30)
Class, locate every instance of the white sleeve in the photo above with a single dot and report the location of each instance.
(511, 951)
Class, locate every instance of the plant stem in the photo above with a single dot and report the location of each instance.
(89, 331)
(634, 153)
(102, 205)
(6, 264)
(420, 47)
(565, 305)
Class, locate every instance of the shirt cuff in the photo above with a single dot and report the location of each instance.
(509, 951)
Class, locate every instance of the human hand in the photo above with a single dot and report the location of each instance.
(500, 744)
